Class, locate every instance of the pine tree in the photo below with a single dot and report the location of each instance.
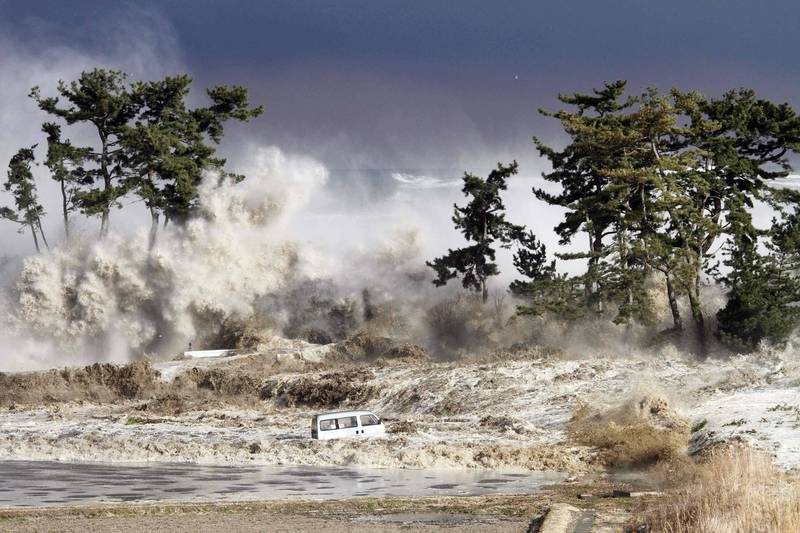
(655, 180)
(482, 222)
(580, 168)
(148, 142)
(543, 289)
(763, 300)
(170, 146)
(27, 210)
(670, 223)
(66, 167)
(98, 98)
(741, 143)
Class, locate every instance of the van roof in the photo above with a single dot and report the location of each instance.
(343, 413)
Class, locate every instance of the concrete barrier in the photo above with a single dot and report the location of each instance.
(561, 518)
(195, 354)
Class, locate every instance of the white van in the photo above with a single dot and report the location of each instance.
(346, 424)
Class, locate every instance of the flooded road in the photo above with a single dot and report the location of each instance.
(31, 483)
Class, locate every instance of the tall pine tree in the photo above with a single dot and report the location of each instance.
(66, 167)
(147, 141)
(169, 147)
(482, 222)
(580, 169)
(27, 211)
(100, 99)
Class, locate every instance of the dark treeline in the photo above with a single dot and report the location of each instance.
(663, 187)
(147, 143)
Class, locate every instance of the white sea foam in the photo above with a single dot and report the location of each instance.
(530, 402)
(107, 300)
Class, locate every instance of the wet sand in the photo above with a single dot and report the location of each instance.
(486, 514)
(478, 513)
(260, 522)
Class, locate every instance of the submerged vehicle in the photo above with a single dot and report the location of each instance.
(343, 424)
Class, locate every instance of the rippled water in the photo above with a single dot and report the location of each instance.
(28, 483)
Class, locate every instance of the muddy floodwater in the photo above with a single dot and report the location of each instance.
(34, 483)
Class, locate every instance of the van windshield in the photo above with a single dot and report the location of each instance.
(370, 420)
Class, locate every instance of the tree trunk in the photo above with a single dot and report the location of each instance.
(593, 285)
(587, 286)
(673, 305)
(65, 209)
(35, 238)
(697, 315)
(624, 264)
(104, 221)
(104, 224)
(153, 228)
(41, 232)
(484, 290)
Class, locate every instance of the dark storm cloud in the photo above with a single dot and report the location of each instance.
(377, 84)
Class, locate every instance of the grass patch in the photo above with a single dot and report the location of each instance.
(736, 490)
(136, 420)
(498, 505)
(699, 426)
(636, 434)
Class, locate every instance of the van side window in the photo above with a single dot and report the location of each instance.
(347, 422)
(369, 420)
(327, 425)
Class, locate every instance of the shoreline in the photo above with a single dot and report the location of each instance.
(493, 513)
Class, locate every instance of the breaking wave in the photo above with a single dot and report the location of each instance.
(110, 300)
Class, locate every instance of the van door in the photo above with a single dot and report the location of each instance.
(348, 426)
(327, 428)
(371, 425)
